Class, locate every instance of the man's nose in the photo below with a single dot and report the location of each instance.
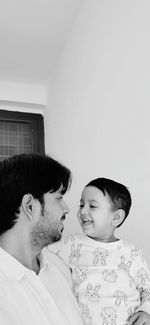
(66, 208)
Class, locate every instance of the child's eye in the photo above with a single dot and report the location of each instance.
(93, 207)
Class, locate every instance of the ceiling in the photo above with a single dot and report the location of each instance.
(32, 35)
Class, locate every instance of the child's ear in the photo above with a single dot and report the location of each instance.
(27, 205)
(118, 217)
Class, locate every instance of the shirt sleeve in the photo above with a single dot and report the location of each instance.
(142, 276)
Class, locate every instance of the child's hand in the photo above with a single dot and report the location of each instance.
(139, 318)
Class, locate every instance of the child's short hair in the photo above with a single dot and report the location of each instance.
(118, 194)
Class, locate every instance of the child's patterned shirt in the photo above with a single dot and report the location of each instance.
(110, 280)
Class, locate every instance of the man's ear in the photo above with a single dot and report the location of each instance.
(118, 217)
(27, 205)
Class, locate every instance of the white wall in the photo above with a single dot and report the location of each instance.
(23, 97)
(99, 106)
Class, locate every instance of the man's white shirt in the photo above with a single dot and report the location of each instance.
(29, 299)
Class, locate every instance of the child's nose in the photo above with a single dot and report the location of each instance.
(84, 210)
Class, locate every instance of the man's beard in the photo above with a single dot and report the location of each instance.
(42, 235)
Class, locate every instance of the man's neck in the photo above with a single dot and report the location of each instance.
(20, 250)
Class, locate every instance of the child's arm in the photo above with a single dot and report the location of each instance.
(57, 278)
(142, 275)
(56, 262)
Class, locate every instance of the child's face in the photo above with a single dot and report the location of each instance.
(95, 213)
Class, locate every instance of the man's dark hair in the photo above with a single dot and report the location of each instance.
(118, 194)
(28, 174)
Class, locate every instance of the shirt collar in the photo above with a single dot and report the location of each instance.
(11, 267)
(43, 260)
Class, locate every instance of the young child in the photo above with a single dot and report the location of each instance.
(111, 279)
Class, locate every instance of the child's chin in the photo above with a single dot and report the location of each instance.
(87, 231)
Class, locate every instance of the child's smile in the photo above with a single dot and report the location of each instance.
(86, 221)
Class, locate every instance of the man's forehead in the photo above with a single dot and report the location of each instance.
(60, 190)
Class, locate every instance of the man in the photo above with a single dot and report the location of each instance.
(32, 212)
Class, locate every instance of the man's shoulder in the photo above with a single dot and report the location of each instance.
(65, 244)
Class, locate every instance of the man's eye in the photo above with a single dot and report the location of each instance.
(60, 198)
(93, 207)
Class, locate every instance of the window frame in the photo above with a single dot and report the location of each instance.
(36, 122)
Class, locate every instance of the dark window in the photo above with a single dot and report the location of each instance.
(20, 132)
